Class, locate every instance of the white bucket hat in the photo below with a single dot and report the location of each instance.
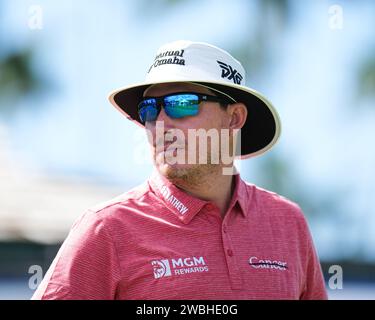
(203, 64)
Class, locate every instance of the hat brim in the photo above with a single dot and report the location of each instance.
(260, 132)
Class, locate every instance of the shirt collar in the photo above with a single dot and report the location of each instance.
(186, 206)
(241, 195)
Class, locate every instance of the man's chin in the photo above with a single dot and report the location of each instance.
(174, 170)
(181, 174)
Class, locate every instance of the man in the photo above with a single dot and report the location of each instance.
(195, 229)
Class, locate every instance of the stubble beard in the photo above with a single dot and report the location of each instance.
(188, 174)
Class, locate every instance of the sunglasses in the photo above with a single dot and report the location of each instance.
(176, 105)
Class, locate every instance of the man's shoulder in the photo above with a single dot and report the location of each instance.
(272, 202)
(276, 209)
(111, 213)
(124, 200)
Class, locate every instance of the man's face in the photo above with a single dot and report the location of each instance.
(171, 139)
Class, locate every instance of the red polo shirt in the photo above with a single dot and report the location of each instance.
(157, 242)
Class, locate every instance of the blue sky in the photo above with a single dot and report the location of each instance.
(89, 49)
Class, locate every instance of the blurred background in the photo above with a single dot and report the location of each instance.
(64, 148)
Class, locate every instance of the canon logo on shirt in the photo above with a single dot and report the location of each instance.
(267, 264)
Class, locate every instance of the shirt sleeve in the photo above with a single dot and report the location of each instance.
(86, 266)
(314, 286)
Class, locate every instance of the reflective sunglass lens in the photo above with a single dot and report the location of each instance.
(148, 110)
(182, 105)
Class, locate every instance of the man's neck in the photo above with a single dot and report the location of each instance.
(216, 188)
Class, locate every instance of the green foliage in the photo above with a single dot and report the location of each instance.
(18, 80)
(16, 75)
(366, 78)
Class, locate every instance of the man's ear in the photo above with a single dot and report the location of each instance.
(238, 115)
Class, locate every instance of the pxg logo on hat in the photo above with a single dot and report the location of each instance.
(209, 66)
(230, 73)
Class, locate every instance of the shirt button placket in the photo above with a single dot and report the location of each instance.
(234, 272)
